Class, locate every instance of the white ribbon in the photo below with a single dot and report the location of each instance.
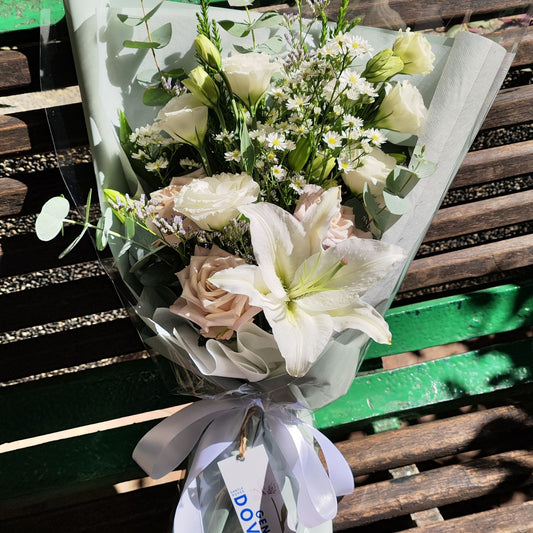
(213, 425)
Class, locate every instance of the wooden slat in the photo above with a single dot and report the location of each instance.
(68, 348)
(418, 13)
(469, 263)
(508, 519)
(423, 442)
(491, 164)
(482, 215)
(434, 488)
(14, 134)
(14, 69)
(90, 295)
(12, 196)
(511, 106)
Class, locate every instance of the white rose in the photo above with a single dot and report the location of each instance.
(184, 118)
(415, 52)
(402, 109)
(249, 75)
(374, 169)
(213, 201)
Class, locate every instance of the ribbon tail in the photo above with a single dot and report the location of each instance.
(339, 470)
(317, 502)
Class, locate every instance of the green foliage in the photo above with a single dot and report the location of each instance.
(50, 220)
(136, 21)
(158, 39)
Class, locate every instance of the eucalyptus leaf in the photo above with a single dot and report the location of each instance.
(69, 248)
(104, 225)
(50, 220)
(125, 248)
(425, 168)
(136, 21)
(382, 218)
(396, 204)
(267, 20)
(163, 35)
(237, 29)
(156, 96)
(140, 44)
(149, 78)
(273, 46)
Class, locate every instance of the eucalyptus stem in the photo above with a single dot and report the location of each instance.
(148, 33)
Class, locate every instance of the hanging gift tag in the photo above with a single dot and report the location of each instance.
(255, 493)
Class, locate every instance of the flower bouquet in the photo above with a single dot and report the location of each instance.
(264, 181)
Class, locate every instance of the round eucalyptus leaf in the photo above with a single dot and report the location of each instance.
(50, 221)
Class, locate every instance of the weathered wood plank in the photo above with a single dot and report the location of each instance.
(434, 488)
(511, 106)
(482, 215)
(469, 263)
(473, 431)
(14, 69)
(14, 134)
(69, 348)
(508, 519)
(485, 166)
(12, 196)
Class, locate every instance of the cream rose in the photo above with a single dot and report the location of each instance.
(249, 75)
(213, 201)
(402, 109)
(415, 52)
(217, 312)
(374, 169)
(184, 118)
(342, 225)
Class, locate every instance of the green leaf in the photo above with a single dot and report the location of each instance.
(247, 149)
(156, 96)
(136, 21)
(237, 29)
(273, 46)
(125, 248)
(140, 44)
(396, 204)
(149, 78)
(424, 169)
(267, 20)
(160, 38)
(73, 243)
(104, 225)
(125, 129)
(163, 35)
(50, 220)
(130, 226)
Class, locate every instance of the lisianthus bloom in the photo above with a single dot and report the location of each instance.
(373, 169)
(213, 201)
(415, 51)
(184, 118)
(402, 109)
(249, 75)
(216, 311)
(307, 293)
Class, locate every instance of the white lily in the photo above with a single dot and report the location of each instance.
(307, 293)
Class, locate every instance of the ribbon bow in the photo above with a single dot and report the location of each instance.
(213, 425)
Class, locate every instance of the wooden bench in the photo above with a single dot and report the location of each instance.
(438, 437)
